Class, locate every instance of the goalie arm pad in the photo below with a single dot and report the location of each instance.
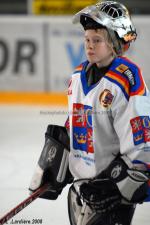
(131, 183)
(52, 167)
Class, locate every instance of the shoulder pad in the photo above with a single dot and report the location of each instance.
(127, 76)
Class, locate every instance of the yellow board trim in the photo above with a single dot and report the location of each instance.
(33, 98)
(58, 7)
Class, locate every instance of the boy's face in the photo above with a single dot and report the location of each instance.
(97, 48)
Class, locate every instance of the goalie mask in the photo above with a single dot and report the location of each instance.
(114, 17)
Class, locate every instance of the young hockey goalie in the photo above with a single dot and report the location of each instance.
(107, 152)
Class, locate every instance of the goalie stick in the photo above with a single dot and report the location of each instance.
(23, 204)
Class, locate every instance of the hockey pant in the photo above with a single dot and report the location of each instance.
(81, 214)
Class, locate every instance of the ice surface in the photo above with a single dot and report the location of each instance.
(22, 131)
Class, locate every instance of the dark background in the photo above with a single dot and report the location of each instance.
(22, 6)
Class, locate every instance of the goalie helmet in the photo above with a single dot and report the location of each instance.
(115, 17)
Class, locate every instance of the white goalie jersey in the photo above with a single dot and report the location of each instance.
(108, 118)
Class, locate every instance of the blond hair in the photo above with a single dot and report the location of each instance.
(115, 43)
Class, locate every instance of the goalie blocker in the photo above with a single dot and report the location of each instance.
(52, 167)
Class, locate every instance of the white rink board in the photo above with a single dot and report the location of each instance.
(21, 55)
(21, 140)
(39, 53)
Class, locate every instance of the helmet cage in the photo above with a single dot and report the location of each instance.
(112, 15)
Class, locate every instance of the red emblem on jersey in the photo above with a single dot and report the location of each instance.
(70, 87)
(136, 124)
(79, 118)
(90, 140)
(141, 129)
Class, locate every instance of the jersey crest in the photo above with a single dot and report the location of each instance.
(106, 98)
(82, 128)
(140, 129)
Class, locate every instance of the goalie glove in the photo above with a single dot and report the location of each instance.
(52, 167)
(101, 195)
(132, 184)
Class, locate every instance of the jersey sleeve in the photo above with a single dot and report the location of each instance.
(132, 121)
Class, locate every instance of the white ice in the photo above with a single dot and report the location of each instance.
(22, 131)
